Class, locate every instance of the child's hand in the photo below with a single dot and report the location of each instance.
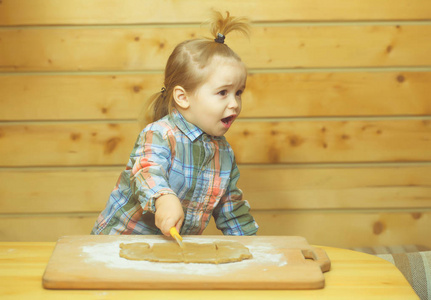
(169, 213)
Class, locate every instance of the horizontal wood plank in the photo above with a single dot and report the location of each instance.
(98, 97)
(67, 144)
(337, 94)
(338, 229)
(100, 144)
(280, 46)
(80, 97)
(44, 228)
(331, 141)
(265, 187)
(346, 228)
(289, 188)
(50, 12)
(56, 191)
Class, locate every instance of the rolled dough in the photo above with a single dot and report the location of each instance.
(209, 253)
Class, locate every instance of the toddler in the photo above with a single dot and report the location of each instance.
(182, 170)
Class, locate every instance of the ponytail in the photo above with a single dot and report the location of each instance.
(156, 107)
(226, 25)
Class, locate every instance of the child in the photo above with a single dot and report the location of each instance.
(182, 171)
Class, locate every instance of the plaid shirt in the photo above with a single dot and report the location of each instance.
(173, 156)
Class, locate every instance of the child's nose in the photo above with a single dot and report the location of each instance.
(233, 103)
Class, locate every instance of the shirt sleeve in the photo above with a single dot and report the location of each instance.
(150, 161)
(232, 214)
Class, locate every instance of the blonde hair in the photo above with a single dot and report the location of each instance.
(186, 63)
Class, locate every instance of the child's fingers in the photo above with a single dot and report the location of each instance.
(168, 223)
(179, 224)
(166, 226)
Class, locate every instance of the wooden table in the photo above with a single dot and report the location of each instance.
(354, 275)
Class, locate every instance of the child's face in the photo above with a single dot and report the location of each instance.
(216, 104)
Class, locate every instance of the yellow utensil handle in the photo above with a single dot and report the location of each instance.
(173, 231)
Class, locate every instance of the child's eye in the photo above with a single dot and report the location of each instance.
(239, 93)
(223, 93)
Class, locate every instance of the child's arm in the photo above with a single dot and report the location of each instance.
(232, 214)
(151, 159)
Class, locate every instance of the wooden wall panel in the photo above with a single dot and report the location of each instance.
(81, 144)
(75, 97)
(44, 228)
(119, 96)
(268, 187)
(347, 187)
(148, 11)
(333, 142)
(67, 144)
(342, 93)
(278, 46)
(56, 190)
(347, 228)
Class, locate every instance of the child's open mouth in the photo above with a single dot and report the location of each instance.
(227, 122)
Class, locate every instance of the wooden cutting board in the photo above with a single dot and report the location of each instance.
(93, 262)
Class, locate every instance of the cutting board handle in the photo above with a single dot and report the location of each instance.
(319, 256)
(314, 255)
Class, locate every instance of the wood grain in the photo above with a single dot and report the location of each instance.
(267, 187)
(268, 95)
(343, 82)
(56, 190)
(337, 94)
(67, 144)
(338, 229)
(278, 46)
(76, 97)
(81, 144)
(331, 141)
(369, 276)
(49, 12)
(346, 228)
(70, 267)
(360, 187)
(28, 228)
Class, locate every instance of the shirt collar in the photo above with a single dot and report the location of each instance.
(190, 130)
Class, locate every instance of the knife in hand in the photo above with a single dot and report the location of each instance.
(174, 233)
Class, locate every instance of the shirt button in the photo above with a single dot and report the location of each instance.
(203, 168)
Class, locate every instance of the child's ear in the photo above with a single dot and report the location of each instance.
(180, 97)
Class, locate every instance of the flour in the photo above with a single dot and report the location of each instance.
(108, 254)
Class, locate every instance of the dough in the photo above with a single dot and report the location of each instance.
(209, 253)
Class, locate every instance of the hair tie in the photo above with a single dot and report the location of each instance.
(220, 38)
(163, 90)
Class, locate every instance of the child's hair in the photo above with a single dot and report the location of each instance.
(187, 62)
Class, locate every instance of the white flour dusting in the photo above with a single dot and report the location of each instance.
(108, 254)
